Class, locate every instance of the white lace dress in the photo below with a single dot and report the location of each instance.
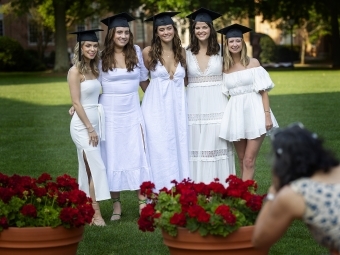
(244, 116)
(89, 92)
(124, 152)
(210, 156)
(165, 113)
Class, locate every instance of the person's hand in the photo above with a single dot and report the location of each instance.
(71, 111)
(269, 123)
(93, 137)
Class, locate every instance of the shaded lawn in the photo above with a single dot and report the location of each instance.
(34, 138)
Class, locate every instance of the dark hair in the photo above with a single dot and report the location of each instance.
(299, 153)
(155, 53)
(213, 46)
(108, 54)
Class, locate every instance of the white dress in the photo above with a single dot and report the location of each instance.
(244, 117)
(165, 112)
(210, 156)
(124, 151)
(89, 92)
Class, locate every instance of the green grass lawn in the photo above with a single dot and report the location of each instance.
(35, 138)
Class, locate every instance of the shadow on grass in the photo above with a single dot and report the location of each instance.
(36, 139)
(31, 78)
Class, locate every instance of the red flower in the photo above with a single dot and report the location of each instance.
(146, 189)
(3, 222)
(254, 202)
(224, 211)
(216, 187)
(178, 219)
(44, 178)
(39, 191)
(29, 210)
(188, 197)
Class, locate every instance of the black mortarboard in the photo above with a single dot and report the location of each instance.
(86, 35)
(162, 19)
(234, 30)
(203, 15)
(118, 20)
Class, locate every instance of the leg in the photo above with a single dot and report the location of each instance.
(97, 217)
(117, 210)
(141, 200)
(240, 147)
(252, 150)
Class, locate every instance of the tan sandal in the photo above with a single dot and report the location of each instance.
(116, 216)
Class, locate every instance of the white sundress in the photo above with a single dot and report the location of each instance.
(165, 113)
(124, 151)
(210, 156)
(244, 116)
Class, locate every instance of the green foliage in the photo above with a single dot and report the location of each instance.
(11, 53)
(268, 49)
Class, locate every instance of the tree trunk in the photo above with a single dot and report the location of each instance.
(335, 35)
(61, 57)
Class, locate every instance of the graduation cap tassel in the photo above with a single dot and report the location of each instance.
(222, 52)
(79, 51)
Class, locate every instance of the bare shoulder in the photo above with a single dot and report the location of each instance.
(73, 73)
(146, 50)
(288, 199)
(253, 63)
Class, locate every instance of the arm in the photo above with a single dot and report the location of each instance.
(146, 57)
(74, 84)
(266, 107)
(265, 98)
(276, 216)
(144, 70)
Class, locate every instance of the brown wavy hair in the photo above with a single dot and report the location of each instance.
(80, 65)
(228, 59)
(108, 54)
(213, 46)
(155, 53)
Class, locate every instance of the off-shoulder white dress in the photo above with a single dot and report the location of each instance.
(244, 116)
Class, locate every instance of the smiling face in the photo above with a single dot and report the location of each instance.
(89, 49)
(235, 44)
(166, 33)
(202, 31)
(121, 36)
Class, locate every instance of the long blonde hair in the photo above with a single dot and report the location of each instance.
(80, 65)
(228, 60)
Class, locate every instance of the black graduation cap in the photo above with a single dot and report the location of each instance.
(86, 35)
(234, 30)
(203, 15)
(162, 19)
(118, 20)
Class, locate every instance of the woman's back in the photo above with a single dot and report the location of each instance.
(322, 214)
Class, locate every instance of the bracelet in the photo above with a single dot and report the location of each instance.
(91, 131)
(267, 111)
(269, 197)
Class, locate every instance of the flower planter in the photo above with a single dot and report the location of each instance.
(40, 241)
(187, 243)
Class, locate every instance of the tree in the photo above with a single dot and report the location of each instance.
(301, 11)
(67, 12)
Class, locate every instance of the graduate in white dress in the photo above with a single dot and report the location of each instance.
(248, 116)
(86, 126)
(125, 151)
(164, 104)
(210, 156)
